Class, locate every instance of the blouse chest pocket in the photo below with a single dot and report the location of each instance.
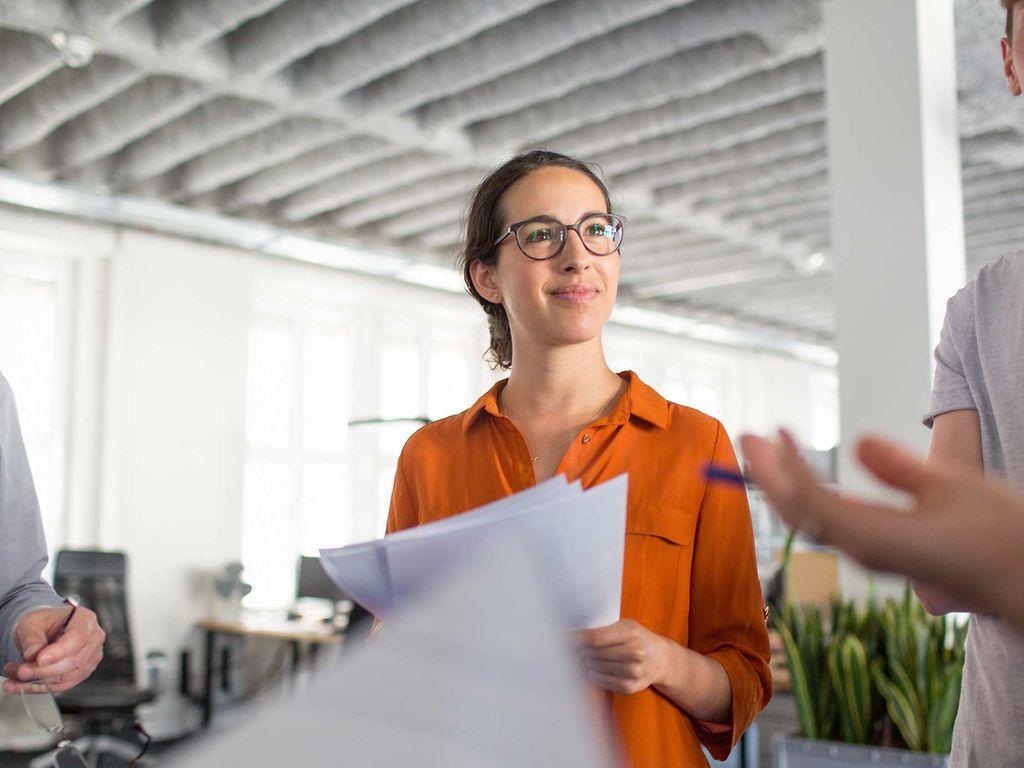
(659, 544)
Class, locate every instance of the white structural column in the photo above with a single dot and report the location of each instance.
(897, 212)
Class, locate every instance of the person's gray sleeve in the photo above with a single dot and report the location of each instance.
(22, 544)
(951, 390)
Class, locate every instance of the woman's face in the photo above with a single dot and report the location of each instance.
(564, 300)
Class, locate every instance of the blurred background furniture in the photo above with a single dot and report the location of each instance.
(103, 707)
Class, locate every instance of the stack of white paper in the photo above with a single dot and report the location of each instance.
(473, 674)
(578, 536)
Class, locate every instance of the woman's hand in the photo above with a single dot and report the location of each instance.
(624, 657)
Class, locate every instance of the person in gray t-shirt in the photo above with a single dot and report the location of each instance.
(977, 420)
(40, 637)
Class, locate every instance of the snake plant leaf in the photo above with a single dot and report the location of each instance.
(904, 705)
(850, 676)
(942, 716)
(801, 692)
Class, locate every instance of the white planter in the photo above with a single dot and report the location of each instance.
(795, 752)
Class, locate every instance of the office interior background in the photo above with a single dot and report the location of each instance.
(227, 232)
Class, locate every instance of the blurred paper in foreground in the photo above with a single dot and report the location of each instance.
(473, 674)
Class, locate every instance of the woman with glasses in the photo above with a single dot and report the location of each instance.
(688, 662)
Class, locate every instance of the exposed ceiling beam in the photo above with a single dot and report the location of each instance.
(396, 202)
(302, 172)
(705, 282)
(371, 179)
(496, 55)
(27, 60)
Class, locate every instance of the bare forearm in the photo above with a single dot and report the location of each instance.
(956, 442)
(698, 684)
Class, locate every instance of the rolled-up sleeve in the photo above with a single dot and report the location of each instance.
(951, 390)
(22, 543)
(727, 620)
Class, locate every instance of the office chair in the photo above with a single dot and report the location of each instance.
(313, 581)
(104, 705)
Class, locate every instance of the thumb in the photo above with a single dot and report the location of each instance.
(893, 465)
(31, 640)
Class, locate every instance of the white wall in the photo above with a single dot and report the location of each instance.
(175, 447)
(157, 388)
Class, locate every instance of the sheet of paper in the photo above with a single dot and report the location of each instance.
(584, 554)
(473, 674)
(363, 570)
(580, 536)
(580, 539)
(542, 493)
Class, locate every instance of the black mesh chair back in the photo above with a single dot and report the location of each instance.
(97, 580)
(103, 706)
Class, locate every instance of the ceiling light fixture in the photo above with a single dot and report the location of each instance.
(810, 264)
(76, 51)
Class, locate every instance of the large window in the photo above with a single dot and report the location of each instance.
(298, 473)
(679, 374)
(425, 375)
(824, 411)
(32, 356)
(335, 388)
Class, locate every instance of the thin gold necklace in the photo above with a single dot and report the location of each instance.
(615, 394)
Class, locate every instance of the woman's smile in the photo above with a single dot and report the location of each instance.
(576, 294)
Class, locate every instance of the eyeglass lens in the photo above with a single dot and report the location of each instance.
(543, 238)
(42, 709)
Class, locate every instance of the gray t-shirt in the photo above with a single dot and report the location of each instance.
(980, 366)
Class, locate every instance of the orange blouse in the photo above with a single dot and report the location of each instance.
(690, 572)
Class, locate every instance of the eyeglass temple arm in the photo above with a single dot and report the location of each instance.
(503, 236)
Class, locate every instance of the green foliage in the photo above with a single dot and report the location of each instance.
(851, 679)
(884, 674)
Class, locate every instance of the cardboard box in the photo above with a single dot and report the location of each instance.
(813, 576)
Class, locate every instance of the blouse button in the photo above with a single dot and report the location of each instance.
(586, 439)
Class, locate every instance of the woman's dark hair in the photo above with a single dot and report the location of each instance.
(484, 225)
(1008, 7)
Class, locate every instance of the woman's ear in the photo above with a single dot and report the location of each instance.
(1013, 83)
(483, 280)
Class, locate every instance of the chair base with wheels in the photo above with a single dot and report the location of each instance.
(98, 751)
(105, 715)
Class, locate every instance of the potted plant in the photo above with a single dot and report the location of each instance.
(230, 589)
(871, 683)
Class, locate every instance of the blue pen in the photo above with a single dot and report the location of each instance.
(717, 473)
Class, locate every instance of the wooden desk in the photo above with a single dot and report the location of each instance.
(296, 633)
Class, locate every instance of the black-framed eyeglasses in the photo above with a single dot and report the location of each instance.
(543, 237)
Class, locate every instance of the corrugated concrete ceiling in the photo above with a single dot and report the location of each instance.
(371, 120)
